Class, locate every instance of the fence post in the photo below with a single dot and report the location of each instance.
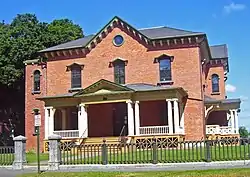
(104, 153)
(20, 152)
(208, 150)
(54, 152)
(155, 158)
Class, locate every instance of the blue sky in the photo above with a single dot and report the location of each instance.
(223, 21)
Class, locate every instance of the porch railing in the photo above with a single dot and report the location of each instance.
(216, 129)
(226, 130)
(154, 130)
(67, 133)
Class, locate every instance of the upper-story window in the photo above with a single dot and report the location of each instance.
(215, 83)
(37, 76)
(165, 70)
(119, 71)
(76, 76)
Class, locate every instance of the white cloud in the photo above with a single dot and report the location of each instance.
(243, 98)
(230, 88)
(234, 7)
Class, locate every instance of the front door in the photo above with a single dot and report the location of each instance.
(120, 119)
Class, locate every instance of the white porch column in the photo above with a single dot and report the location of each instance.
(229, 120)
(130, 118)
(46, 124)
(182, 120)
(137, 118)
(170, 117)
(49, 121)
(83, 121)
(176, 117)
(232, 120)
(236, 121)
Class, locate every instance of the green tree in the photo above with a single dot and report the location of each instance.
(19, 41)
(243, 132)
(63, 30)
(24, 36)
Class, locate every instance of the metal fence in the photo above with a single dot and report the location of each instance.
(6, 155)
(155, 151)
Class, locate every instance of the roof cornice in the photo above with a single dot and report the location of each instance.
(187, 39)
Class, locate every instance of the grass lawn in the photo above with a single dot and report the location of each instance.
(32, 157)
(130, 155)
(7, 159)
(206, 173)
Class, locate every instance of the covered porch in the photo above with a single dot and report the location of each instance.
(106, 109)
(222, 116)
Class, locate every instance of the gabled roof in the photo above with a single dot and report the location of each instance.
(104, 87)
(153, 33)
(103, 84)
(219, 51)
(166, 32)
(71, 45)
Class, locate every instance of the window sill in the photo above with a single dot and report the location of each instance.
(36, 92)
(215, 93)
(165, 83)
(75, 89)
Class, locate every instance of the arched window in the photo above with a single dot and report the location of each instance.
(76, 76)
(37, 81)
(165, 70)
(215, 83)
(119, 71)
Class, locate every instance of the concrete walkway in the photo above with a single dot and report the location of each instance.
(4, 172)
(9, 172)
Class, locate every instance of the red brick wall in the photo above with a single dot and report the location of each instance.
(100, 120)
(152, 113)
(186, 72)
(219, 70)
(31, 103)
(217, 118)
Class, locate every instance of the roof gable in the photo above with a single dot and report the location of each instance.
(103, 86)
(147, 35)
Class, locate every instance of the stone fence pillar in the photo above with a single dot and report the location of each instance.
(20, 152)
(54, 152)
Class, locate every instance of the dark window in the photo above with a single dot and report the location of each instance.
(119, 71)
(37, 80)
(165, 70)
(76, 76)
(215, 83)
(118, 40)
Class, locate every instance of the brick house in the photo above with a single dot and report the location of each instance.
(136, 83)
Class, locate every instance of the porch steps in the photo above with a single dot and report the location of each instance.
(99, 140)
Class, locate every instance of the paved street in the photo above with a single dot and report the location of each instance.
(11, 173)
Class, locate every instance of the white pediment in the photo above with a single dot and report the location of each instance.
(103, 91)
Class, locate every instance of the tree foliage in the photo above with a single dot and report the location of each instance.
(24, 36)
(243, 132)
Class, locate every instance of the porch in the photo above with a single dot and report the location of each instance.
(222, 117)
(130, 118)
(107, 109)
